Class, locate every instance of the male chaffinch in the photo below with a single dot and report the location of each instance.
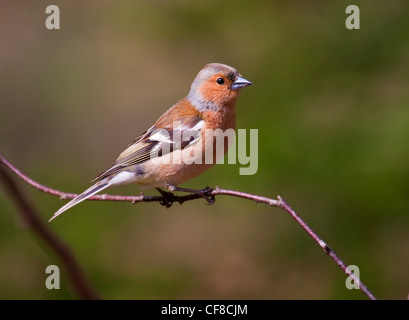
(210, 104)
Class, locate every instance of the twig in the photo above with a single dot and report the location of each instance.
(31, 217)
(101, 197)
(279, 202)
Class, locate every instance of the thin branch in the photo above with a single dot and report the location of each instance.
(279, 202)
(31, 217)
(102, 197)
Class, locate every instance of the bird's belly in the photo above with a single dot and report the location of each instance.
(182, 165)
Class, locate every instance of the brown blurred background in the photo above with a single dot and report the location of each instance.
(331, 106)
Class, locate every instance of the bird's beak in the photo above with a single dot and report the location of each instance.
(240, 83)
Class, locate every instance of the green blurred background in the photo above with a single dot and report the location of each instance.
(331, 106)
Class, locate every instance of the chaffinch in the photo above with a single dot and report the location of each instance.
(174, 149)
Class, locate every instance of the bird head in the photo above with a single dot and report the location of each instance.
(216, 85)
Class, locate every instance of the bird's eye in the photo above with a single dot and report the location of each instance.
(220, 81)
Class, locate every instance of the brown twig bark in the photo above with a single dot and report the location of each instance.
(279, 202)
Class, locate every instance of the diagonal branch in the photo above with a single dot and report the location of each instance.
(31, 217)
(279, 202)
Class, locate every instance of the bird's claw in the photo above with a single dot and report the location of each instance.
(167, 198)
(208, 196)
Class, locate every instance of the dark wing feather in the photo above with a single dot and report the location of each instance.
(140, 150)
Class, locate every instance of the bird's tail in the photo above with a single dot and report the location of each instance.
(99, 186)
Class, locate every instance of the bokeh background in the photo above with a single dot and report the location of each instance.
(331, 106)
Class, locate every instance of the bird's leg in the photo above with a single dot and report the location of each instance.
(206, 193)
(168, 198)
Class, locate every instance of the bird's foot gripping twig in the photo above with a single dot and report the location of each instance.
(167, 198)
(206, 193)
